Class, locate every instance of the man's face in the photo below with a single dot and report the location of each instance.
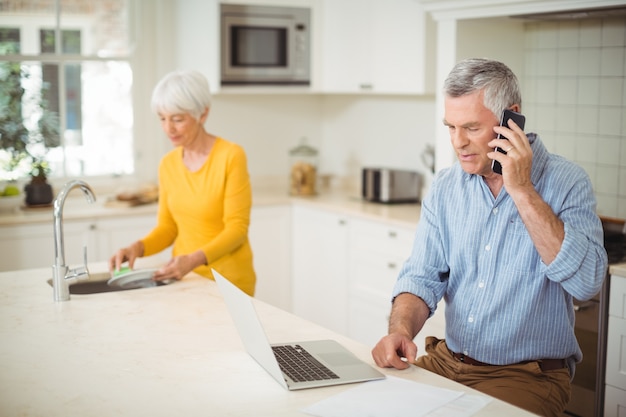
(471, 124)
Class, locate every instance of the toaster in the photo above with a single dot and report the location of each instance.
(388, 185)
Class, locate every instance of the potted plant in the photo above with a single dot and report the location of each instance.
(24, 145)
(38, 190)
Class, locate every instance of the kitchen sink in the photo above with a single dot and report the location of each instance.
(98, 283)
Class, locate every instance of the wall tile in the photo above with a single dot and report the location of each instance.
(587, 119)
(612, 62)
(589, 62)
(565, 145)
(547, 35)
(607, 204)
(546, 90)
(531, 62)
(607, 179)
(589, 91)
(590, 33)
(545, 118)
(567, 90)
(531, 36)
(568, 34)
(567, 62)
(614, 32)
(565, 119)
(611, 91)
(621, 208)
(528, 85)
(610, 121)
(586, 149)
(582, 117)
(608, 150)
(547, 59)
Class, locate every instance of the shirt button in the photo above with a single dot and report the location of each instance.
(488, 247)
(481, 285)
(495, 210)
(465, 352)
(471, 319)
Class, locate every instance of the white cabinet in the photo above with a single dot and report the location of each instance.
(320, 268)
(615, 396)
(377, 253)
(32, 245)
(373, 46)
(26, 246)
(270, 238)
(118, 232)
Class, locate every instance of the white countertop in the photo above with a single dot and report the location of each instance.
(618, 269)
(163, 351)
(77, 208)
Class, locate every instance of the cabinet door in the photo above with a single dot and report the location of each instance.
(319, 264)
(377, 252)
(119, 232)
(346, 46)
(270, 238)
(373, 46)
(614, 402)
(616, 353)
(29, 246)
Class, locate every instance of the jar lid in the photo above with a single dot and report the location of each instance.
(303, 149)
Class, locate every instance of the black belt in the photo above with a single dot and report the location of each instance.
(544, 364)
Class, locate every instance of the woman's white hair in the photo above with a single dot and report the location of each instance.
(182, 92)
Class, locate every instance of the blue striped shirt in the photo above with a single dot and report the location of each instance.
(503, 304)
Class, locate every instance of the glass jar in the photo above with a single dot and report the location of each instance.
(303, 175)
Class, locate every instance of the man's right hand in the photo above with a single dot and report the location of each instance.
(394, 351)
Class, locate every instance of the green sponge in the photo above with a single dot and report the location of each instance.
(121, 271)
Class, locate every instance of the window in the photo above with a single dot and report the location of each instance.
(65, 87)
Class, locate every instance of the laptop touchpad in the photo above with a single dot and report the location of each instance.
(340, 358)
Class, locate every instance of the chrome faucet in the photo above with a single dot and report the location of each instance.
(62, 275)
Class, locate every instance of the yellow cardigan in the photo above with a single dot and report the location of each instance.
(209, 210)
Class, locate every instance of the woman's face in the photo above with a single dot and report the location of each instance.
(181, 128)
(470, 125)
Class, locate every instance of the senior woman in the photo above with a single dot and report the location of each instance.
(205, 195)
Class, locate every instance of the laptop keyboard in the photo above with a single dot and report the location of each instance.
(299, 365)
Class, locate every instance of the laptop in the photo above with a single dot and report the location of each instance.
(297, 365)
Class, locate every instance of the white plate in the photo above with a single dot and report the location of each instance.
(138, 278)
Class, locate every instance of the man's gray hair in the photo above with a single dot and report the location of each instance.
(500, 85)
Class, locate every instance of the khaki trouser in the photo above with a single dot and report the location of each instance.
(524, 385)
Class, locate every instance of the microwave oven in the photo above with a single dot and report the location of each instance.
(265, 44)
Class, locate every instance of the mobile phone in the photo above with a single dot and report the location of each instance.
(519, 120)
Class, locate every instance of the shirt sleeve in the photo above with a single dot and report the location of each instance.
(580, 265)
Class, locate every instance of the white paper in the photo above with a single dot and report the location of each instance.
(389, 397)
(464, 406)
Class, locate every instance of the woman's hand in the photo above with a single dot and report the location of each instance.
(179, 266)
(128, 254)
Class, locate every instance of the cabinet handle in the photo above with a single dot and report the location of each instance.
(366, 86)
(92, 227)
(342, 222)
(391, 265)
(392, 233)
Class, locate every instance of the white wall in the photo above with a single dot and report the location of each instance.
(350, 131)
